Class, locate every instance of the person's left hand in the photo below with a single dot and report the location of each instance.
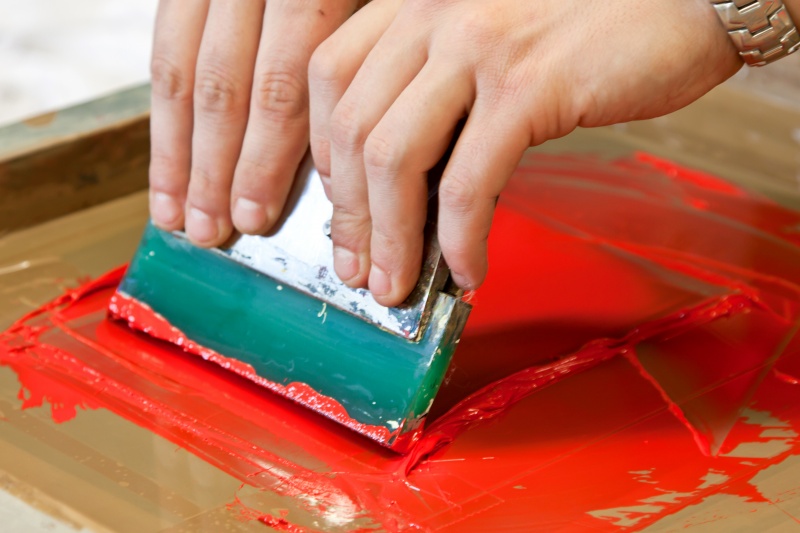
(389, 87)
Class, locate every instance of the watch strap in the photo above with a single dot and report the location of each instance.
(762, 30)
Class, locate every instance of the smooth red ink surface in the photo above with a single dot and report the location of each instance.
(632, 311)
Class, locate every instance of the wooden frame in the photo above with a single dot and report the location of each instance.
(65, 161)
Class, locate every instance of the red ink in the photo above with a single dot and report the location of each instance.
(631, 312)
(492, 400)
(787, 378)
(276, 523)
(693, 177)
(141, 317)
(280, 524)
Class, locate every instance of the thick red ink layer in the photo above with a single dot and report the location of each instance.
(696, 289)
(495, 398)
(787, 378)
(141, 317)
(479, 407)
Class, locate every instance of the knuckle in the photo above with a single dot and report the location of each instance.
(205, 191)
(350, 230)
(323, 66)
(321, 152)
(215, 91)
(388, 247)
(458, 194)
(347, 131)
(252, 177)
(281, 94)
(350, 225)
(165, 173)
(482, 28)
(168, 81)
(380, 154)
(346, 214)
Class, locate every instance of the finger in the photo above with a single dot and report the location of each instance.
(486, 154)
(179, 29)
(388, 69)
(277, 130)
(222, 97)
(333, 66)
(407, 142)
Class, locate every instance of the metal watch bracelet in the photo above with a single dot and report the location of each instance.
(762, 30)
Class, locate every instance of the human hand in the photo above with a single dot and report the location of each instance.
(389, 87)
(229, 121)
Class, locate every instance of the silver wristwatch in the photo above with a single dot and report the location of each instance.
(762, 30)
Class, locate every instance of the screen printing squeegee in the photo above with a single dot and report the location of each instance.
(275, 304)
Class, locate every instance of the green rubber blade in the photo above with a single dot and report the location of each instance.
(380, 379)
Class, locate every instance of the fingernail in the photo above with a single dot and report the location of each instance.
(249, 216)
(380, 284)
(164, 209)
(345, 263)
(201, 227)
(463, 282)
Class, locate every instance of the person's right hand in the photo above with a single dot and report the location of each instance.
(229, 120)
(391, 86)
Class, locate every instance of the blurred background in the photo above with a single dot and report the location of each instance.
(55, 53)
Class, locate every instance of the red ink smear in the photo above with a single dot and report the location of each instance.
(691, 176)
(277, 523)
(495, 398)
(141, 317)
(280, 524)
(38, 389)
(787, 378)
(631, 311)
(216, 414)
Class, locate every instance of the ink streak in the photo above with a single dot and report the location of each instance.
(693, 177)
(493, 400)
(280, 524)
(787, 378)
(277, 523)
